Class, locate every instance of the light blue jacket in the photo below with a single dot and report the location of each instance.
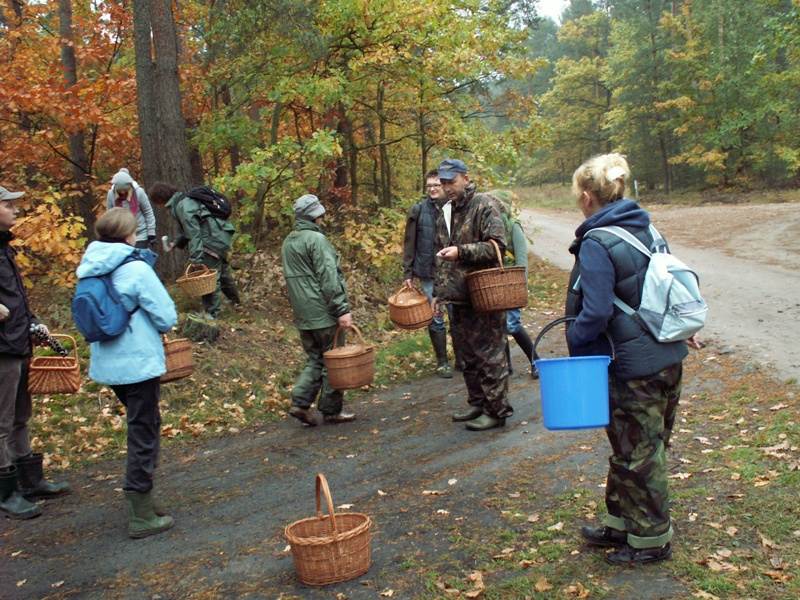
(138, 354)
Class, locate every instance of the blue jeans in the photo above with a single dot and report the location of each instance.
(438, 320)
(513, 320)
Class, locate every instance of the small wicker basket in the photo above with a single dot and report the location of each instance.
(350, 366)
(178, 355)
(410, 309)
(55, 374)
(198, 280)
(330, 548)
(499, 288)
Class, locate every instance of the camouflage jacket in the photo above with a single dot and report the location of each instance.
(475, 220)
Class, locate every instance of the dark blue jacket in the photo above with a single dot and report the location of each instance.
(419, 240)
(608, 266)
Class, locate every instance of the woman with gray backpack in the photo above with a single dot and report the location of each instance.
(129, 359)
(645, 375)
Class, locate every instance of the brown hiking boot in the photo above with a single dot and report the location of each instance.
(308, 416)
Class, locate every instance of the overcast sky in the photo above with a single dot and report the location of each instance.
(551, 8)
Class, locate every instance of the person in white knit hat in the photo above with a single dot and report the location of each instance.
(126, 193)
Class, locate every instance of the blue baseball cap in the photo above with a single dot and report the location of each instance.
(450, 167)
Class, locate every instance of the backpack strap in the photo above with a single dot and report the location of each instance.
(626, 236)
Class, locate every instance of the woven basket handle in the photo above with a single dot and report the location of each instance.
(195, 269)
(497, 252)
(71, 339)
(408, 290)
(322, 485)
(339, 328)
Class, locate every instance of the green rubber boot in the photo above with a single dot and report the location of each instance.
(142, 519)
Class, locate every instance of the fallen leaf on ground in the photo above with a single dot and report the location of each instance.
(577, 590)
(705, 595)
(766, 542)
(433, 493)
(387, 593)
(533, 518)
(557, 527)
(345, 506)
(542, 585)
(477, 581)
(680, 476)
(381, 493)
(452, 481)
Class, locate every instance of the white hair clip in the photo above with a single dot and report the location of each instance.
(615, 173)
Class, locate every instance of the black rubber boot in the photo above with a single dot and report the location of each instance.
(12, 503)
(628, 556)
(439, 343)
(31, 481)
(524, 341)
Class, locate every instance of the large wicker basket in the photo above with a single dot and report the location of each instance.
(55, 374)
(499, 288)
(410, 309)
(178, 355)
(198, 280)
(350, 366)
(330, 548)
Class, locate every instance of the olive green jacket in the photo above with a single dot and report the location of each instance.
(202, 232)
(313, 279)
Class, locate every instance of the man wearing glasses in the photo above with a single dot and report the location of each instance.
(419, 261)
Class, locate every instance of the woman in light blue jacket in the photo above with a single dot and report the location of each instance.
(132, 363)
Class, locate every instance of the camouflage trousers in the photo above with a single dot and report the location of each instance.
(481, 342)
(313, 379)
(643, 413)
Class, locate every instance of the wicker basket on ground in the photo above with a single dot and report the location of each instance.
(55, 374)
(330, 548)
(198, 280)
(178, 355)
(350, 366)
(410, 309)
(499, 288)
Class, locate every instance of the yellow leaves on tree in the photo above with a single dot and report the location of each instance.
(49, 243)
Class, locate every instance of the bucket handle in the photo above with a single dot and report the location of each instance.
(339, 328)
(322, 486)
(559, 321)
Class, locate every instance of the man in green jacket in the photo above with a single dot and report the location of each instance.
(207, 238)
(319, 301)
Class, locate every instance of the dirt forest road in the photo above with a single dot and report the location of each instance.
(425, 481)
(748, 260)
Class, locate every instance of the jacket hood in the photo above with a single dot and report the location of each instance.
(103, 257)
(122, 177)
(623, 213)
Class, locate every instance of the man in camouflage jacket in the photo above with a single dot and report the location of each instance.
(464, 246)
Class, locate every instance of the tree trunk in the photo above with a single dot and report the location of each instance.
(386, 172)
(263, 188)
(162, 128)
(422, 127)
(79, 162)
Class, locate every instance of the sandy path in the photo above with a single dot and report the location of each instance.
(747, 258)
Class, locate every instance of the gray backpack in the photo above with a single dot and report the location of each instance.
(672, 308)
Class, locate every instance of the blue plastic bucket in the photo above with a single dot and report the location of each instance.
(574, 390)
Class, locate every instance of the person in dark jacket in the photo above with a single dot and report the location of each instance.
(465, 245)
(418, 261)
(319, 302)
(207, 238)
(645, 376)
(21, 476)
